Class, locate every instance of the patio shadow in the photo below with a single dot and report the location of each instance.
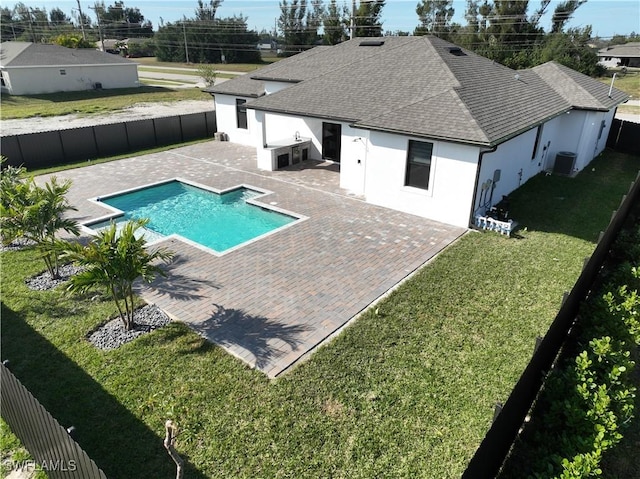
(179, 286)
(259, 341)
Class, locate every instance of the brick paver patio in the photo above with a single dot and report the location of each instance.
(274, 300)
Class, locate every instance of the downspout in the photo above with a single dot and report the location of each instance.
(366, 157)
(475, 188)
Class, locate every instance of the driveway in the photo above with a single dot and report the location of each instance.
(273, 301)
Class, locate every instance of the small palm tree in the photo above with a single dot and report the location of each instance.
(113, 261)
(37, 214)
(11, 189)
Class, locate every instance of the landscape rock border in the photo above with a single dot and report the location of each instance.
(112, 335)
(44, 281)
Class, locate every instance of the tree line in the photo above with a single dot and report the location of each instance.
(507, 31)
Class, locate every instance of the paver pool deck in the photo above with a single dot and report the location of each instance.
(272, 301)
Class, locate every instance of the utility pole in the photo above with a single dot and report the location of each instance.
(96, 8)
(27, 10)
(84, 36)
(352, 24)
(186, 48)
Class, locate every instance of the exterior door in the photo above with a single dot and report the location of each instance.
(331, 137)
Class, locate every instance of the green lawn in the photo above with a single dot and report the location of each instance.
(193, 73)
(408, 392)
(167, 83)
(231, 67)
(91, 101)
(629, 83)
(13, 455)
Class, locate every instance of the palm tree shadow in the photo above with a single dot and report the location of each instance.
(258, 340)
(177, 285)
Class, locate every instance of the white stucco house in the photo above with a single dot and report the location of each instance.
(626, 55)
(418, 124)
(33, 68)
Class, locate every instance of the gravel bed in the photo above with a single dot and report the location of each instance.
(17, 244)
(112, 335)
(44, 281)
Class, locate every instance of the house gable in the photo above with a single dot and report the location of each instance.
(24, 54)
(32, 68)
(580, 91)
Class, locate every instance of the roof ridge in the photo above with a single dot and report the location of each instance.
(351, 63)
(450, 89)
(572, 76)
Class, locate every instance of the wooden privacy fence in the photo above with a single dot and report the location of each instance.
(48, 148)
(51, 446)
(509, 418)
(623, 137)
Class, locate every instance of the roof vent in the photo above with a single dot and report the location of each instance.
(457, 51)
(372, 43)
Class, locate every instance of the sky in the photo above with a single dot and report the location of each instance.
(607, 17)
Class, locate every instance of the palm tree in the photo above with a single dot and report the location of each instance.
(11, 185)
(113, 261)
(37, 214)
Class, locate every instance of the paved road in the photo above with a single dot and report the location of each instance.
(183, 80)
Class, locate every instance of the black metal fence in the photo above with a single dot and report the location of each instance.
(50, 444)
(496, 444)
(624, 137)
(37, 150)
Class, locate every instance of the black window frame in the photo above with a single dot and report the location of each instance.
(603, 124)
(417, 163)
(536, 145)
(241, 113)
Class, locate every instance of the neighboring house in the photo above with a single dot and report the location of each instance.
(121, 47)
(418, 124)
(32, 68)
(627, 55)
(109, 45)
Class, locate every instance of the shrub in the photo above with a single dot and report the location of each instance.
(588, 399)
(208, 73)
(113, 261)
(36, 214)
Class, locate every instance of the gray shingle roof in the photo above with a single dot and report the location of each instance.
(25, 54)
(417, 86)
(627, 50)
(579, 90)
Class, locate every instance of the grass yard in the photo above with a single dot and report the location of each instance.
(230, 67)
(167, 83)
(629, 83)
(13, 455)
(91, 101)
(193, 73)
(408, 392)
(629, 109)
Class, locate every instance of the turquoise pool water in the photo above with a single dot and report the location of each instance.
(217, 221)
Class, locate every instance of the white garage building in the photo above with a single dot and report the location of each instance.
(33, 68)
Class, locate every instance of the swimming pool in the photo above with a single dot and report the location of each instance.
(219, 221)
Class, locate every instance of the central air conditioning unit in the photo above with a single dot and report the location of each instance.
(565, 162)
